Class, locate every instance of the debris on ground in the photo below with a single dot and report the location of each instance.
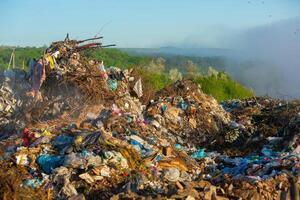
(91, 137)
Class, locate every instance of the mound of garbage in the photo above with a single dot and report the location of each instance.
(91, 137)
(12, 89)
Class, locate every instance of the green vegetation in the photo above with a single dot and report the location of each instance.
(115, 57)
(156, 72)
(222, 87)
(153, 80)
(22, 56)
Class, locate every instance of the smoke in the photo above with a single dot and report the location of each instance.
(273, 55)
(265, 58)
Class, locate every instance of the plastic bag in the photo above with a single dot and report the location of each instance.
(74, 161)
(62, 142)
(199, 154)
(48, 162)
(112, 84)
(172, 174)
(138, 88)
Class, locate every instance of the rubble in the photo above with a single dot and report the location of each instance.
(91, 137)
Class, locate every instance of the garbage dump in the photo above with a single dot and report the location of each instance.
(12, 90)
(91, 137)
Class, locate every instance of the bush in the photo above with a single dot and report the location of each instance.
(222, 87)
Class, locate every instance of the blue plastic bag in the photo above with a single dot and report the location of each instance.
(112, 84)
(140, 148)
(182, 105)
(33, 183)
(164, 108)
(48, 162)
(62, 141)
(199, 154)
(178, 147)
(268, 152)
(240, 168)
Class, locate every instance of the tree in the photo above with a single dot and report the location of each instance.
(157, 65)
(175, 75)
(212, 72)
(192, 69)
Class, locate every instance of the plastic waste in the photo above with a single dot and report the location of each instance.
(88, 178)
(178, 147)
(138, 88)
(62, 142)
(74, 161)
(239, 168)
(182, 105)
(112, 84)
(156, 124)
(102, 67)
(118, 160)
(41, 140)
(94, 161)
(268, 152)
(91, 116)
(27, 137)
(46, 132)
(234, 125)
(22, 159)
(116, 111)
(163, 108)
(296, 151)
(140, 147)
(104, 115)
(91, 139)
(184, 176)
(158, 158)
(49, 162)
(199, 154)
(9, 73)
(115, 73)
(172, 174)
(105, 171)
(62, 177)
(33, 183)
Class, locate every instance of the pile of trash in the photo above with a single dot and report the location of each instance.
(260, 121)
(186, 111)
(70, 69)
(12, 91)
(91, 137)
(7, 104)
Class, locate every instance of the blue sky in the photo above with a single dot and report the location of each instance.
(138, 23)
